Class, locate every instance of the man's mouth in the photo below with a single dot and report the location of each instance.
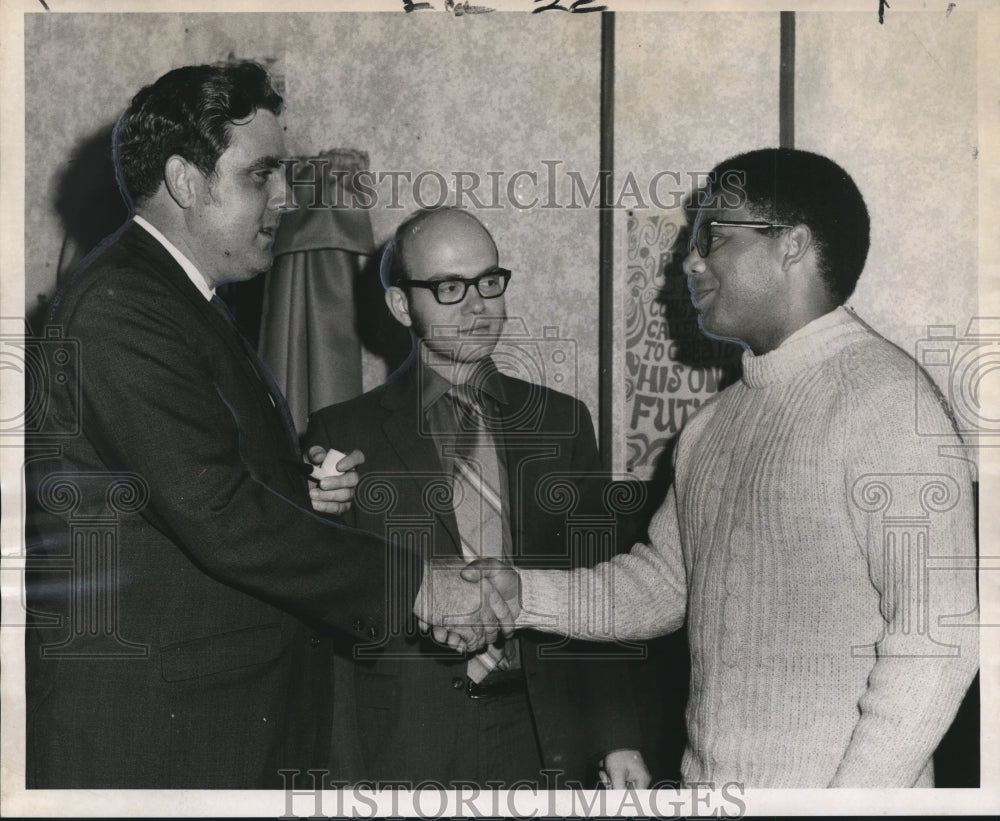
(481, 330)
(483, 326)
(700, 296)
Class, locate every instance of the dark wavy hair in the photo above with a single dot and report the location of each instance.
(785, 185)
(188, 112)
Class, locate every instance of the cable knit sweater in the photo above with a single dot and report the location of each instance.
(805, 511)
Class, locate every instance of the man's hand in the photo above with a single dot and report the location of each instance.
(464, 615)
(624, 768)
(503, 577)
(333, 494)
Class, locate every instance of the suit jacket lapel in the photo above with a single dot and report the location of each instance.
(164, 266)
(520, 445)
(416, 449)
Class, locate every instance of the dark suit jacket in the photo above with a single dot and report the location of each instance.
(173, 552)
(406, 689)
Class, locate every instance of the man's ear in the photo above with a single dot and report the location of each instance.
(182, 180)
(798, 242)
(399, 305)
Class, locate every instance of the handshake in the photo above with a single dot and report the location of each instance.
(463, 606)
(467, 606)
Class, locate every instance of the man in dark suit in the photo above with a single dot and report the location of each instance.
(174, 561)
(458, 457)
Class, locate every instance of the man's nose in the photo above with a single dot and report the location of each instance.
(693, 262)
(280, 195)
(474, 303)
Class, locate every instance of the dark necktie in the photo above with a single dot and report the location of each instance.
(263, 374)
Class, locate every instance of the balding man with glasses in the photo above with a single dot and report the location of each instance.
(453, 447)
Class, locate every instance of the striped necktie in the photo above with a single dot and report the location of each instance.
(482, 524)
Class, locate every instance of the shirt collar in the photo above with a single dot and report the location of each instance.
(435, 382)
(192, 272)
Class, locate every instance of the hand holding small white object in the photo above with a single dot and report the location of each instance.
(335, 478)
(328, 466)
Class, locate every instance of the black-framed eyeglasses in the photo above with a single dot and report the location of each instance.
(451, 290)
(702, 238)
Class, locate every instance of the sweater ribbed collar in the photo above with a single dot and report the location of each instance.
(805, 349)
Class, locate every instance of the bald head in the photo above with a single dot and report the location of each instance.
(446, 247)
(439, 241)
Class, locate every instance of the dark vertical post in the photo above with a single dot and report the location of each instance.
(606, 260)
(786, 82)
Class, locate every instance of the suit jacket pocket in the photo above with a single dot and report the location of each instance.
(221, 652)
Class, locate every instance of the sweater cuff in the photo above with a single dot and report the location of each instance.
(544, 600)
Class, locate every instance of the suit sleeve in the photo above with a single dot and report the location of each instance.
(151, 405)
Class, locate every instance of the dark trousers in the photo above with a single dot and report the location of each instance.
(500, 744)
(451, 739)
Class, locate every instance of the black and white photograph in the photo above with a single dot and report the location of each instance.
(516, 408)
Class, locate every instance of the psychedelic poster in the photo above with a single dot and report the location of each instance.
(671, 368)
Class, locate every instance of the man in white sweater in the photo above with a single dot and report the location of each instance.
(821, 550)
